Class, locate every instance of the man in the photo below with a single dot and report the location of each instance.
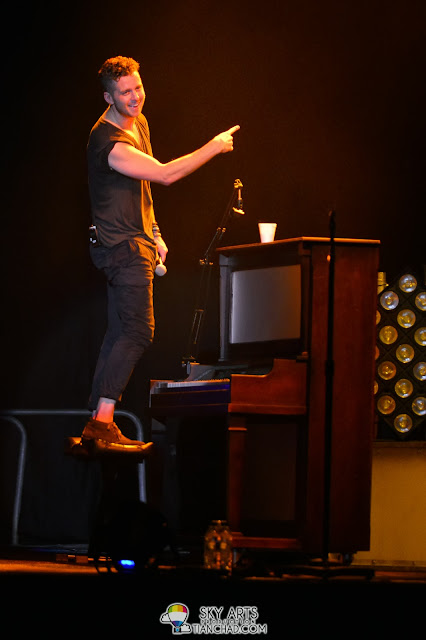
(126, 240)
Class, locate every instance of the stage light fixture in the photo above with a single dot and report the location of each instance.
(400, 384)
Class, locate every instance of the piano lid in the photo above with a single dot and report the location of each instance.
(287, 242)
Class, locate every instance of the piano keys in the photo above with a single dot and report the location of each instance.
(282, 391)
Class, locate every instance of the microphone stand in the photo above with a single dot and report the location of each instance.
(206, 262)
(329, 377)
(327, 567)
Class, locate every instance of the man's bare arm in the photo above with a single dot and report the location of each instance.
(125, 159)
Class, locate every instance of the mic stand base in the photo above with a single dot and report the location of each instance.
(327, 570)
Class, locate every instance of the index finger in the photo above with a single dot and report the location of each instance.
(232, 130)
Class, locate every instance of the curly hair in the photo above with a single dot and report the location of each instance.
(114, 68)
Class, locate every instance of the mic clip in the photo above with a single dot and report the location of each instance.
(240, 212)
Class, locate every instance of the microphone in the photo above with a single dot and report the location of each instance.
(160, 269)
(239, 208)
(239, 199)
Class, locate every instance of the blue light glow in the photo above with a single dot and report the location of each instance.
(126, 563)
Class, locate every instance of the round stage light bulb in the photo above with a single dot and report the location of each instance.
(405, 353)
(386, 405)
(407, 283)
(378, 316)
(406, 318)
(403, 423)
(419, 371)
(386, 370)
(389, 300)
(388, 334)
(421, 301)
(419, 406)
(375, 387)
(404, 388)
(420, 336)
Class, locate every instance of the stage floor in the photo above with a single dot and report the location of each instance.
(73, 560)
(61, 589)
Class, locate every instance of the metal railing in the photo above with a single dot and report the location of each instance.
(14, 417)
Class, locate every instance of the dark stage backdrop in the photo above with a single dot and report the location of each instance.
(330, 97)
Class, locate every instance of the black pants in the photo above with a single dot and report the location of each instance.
(129, 269)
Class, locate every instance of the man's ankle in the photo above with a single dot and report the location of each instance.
(105, 410)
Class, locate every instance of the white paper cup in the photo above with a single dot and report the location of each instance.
(267, 231)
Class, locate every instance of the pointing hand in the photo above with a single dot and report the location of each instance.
(226, 139)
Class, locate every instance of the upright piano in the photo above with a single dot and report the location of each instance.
(245, 438)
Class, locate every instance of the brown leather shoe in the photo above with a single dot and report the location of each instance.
(107, 432)
(105, 439)
(93, 449)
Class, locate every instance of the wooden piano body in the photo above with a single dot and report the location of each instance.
(265, 431)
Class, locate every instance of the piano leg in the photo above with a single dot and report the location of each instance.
(237, 431)
(264, 481)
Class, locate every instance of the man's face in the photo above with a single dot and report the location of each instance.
(128, 96)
